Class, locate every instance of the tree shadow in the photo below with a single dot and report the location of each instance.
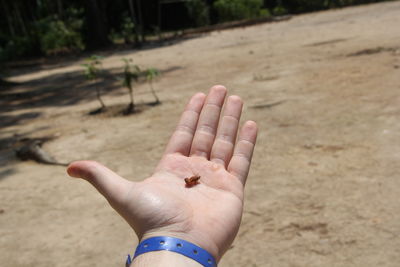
(33, 65)
(4, 84)
(7, 172)
(57, 90)
(123, 109)
(374, 50)
(8, 120)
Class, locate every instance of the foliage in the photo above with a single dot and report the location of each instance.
(127, 29)
(131, 74)
(265, 13)
(56, 34)
(152, 73)
(17, 47)
(279, 9)
(199, 11)
(237, 9)
(92, 71)
(298, 6)
(45, 27)
(301, 6)
(92, 67)
(47, 35)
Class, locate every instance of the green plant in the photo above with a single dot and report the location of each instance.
(228, 10)
(131, 74)
(198, 10)
(279, 11)
(151, 74)
(92, 71)
(16, 47)
(56, 35)
(127, 29)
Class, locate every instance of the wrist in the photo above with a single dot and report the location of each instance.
(186, 251)
(198, 240)
(163, 258)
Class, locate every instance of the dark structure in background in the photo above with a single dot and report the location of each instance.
(97, 22)
(45, 27)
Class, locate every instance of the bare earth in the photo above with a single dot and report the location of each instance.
(325, 183)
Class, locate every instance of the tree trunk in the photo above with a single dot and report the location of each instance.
(159, 21)
(154, 93)
(60, 9)
(135, 23)
(141, 29)
(131, 107)
(19, 19)
(132, 104)
(9, 18)
(97, 26)
(103, 106)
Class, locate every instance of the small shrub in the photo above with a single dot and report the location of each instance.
(279, 11)
(228, 10)
(265, 12)
(92, 71)
(17, 47)
(198, 10)
(60, 35)
(127, 29)
(131, 74)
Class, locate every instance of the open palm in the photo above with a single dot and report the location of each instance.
(207, 214)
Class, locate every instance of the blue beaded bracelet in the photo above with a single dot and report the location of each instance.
(175, 245)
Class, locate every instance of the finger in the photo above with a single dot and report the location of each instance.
(241, 159)
(207, 126)
(181, 139)
(226, 135)
(113, 187)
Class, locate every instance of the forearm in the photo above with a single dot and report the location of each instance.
(162, 259)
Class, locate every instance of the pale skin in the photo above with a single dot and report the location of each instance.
(208, 214)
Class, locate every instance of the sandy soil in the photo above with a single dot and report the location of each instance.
(325, 184)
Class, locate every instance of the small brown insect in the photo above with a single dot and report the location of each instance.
(194, 180)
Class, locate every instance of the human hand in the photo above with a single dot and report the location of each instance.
(207, 214)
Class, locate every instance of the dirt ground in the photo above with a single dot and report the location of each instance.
(325, 181)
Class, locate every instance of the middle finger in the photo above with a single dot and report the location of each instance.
(208, 122)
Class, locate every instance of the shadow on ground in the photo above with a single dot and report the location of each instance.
(22, 67)
(57, 90)
(6, 172)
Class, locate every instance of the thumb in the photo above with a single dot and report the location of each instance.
(112, 186)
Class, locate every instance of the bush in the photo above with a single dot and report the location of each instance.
(198, 10)
(127, 29)
(92, 71)
(228, 10)
(56, 35)
(17, 47)
(279, 11)
(300, 6)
